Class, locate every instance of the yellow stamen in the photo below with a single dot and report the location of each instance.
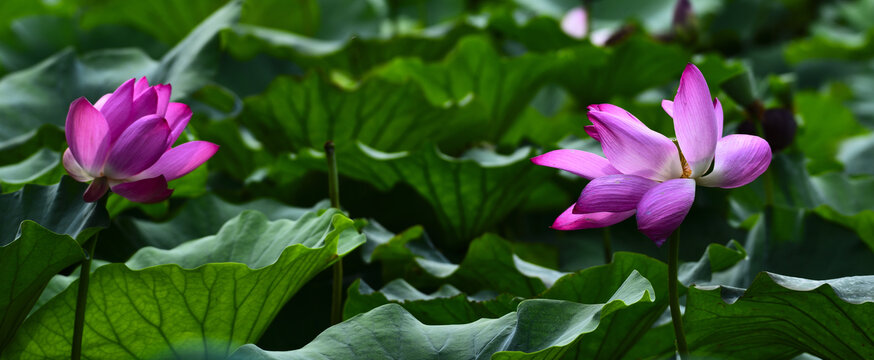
(687, 170)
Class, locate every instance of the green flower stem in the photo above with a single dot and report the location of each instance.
(608, 247)
(334, 194)
(81, 300)
(673, 293)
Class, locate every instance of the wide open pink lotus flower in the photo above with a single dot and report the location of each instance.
(124, 142)
(646, 173)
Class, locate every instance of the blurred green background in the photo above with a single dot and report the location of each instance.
(436, 106)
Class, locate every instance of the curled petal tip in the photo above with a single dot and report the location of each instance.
(740, 159)
(570, 221)
(180, 160)
(144, 191)
(96, 190)
(577, 162)
(663, 208)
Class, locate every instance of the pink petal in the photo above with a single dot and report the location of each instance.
(695, 120)
(593, 132)
(615, 110)
(577, 162)
(145, 104)
(612, 193)
(717, 109)
(117, 109)
(668, 106)
(144, 191)
(95, 190)
(163, 98)
(74, 169)
(570, 221)
(740, 159)
(634, 149)
(180, 160)
(663, 208)
(138, 147)
(86, 132)
(141, 85)
(102, 101)
(177, 117)
(575, 23)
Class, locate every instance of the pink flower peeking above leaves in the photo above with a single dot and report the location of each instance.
(576, 23)
(124, 142)
(646, 173)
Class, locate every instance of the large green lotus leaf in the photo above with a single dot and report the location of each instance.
(153, 17)
(295, 114)
(28, 263)
(623, 328)
(42, 168)
(203, 216)
(12, 12)
(619, 331)
(475, 72)
(855, 153)
(58, 207)
(41, 94)
(832, 195)
(654, 15)
(824, 46)
(30, 253)
(781, 317)
(469, 193)
(47, 136)
(447, 305)
(32, 97)
(355, 56)
(847, 201)
(826, 123)
(596, 75)
(542, 328)
(490, 264)
(358, 55)
(201, 299)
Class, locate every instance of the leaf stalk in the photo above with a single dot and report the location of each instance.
(674, 295)
(334, 194)
(82, 299)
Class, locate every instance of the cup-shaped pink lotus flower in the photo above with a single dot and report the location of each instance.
(124, 142)
(646, 173)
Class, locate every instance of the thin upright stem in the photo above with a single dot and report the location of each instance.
(608, 246)
(673, 293)
(82, 299)
(334, 194)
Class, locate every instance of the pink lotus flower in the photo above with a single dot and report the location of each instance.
(646, 173)
(123, 142)
(576, 23)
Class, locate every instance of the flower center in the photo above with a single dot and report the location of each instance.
(687, 170)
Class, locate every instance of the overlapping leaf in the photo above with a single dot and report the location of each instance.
(538, 329)
(29, 263)
(468, 193)
(295, 114)
(58, 208)
(782, 317)
(31, 254)
(42, 168)
(204, 216)
(199, 300)
(447, 305)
